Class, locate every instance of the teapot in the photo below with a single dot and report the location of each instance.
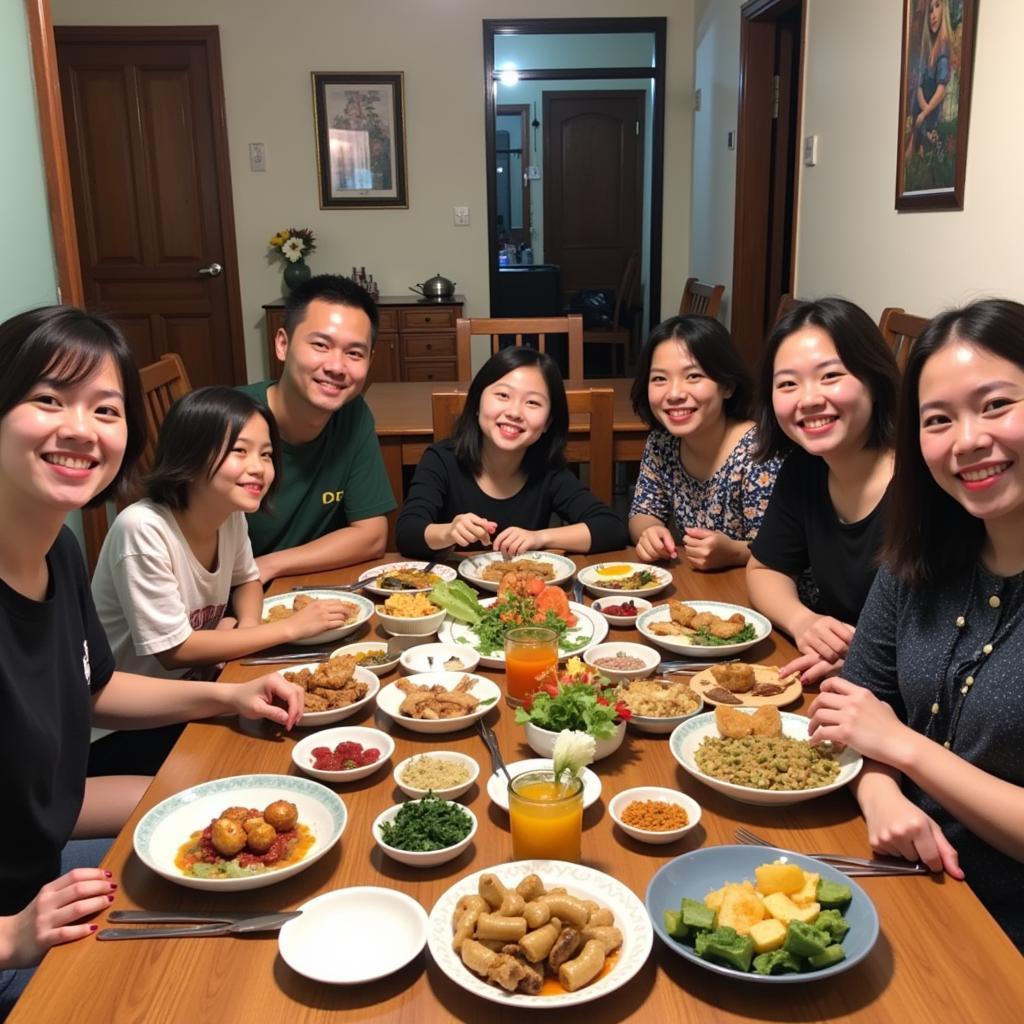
(437, 287)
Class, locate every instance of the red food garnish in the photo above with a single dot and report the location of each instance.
(345, 756)
(626, 609)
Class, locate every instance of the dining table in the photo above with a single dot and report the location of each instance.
(939, 955)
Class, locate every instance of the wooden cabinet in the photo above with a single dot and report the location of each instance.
(415, 341)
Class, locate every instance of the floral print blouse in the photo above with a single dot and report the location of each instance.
(732, 500)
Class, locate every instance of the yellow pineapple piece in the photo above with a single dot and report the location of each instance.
(714, 899)
(768, 935)
(740, 909)
(780, 906)
(809, 892)
(779, 877)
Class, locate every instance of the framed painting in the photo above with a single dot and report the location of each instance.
(935, 103)
(360, 139)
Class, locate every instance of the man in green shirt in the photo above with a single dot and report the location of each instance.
(331, 506)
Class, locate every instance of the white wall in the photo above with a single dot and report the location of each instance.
(268, 50)
(850, 239)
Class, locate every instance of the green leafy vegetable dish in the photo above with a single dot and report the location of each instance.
(428, 824)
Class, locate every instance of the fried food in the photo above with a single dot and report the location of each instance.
(766, 721)
(735, 676)
(726, 629)
(658, 698)
(435, 702)
(767, 690)
(669, 629)
(408, 606)
(734, 725)
(721, 695)
(406, 579)
(495, 571)
(283, 611)
(332, 685)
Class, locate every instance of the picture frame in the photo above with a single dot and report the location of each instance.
(360, 139)
(935, 103)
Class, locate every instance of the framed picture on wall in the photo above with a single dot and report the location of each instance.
(935, 103)
(360, 139)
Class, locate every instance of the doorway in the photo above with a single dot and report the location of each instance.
(144, 124)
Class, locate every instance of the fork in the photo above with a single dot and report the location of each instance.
(848, 865)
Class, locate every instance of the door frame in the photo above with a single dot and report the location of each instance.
(754, 203)
(582, 26)
(522, 111)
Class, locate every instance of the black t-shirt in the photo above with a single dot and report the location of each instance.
(53, 656)
(441, 490)
(801, 530)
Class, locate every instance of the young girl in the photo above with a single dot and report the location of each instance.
(172, 561)
(827, 395)
(500, 478)
(70, 427)
(940, 643)
(933, 73)
(698, 476)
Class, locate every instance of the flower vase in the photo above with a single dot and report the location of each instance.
(296, 273)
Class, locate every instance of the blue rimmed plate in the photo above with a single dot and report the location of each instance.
(363, 605)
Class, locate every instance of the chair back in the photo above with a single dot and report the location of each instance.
(787, 302)
(163, 383)
(700, 299)
(592, 446)
(900, 331)
(539, 326)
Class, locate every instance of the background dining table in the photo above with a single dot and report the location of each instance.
(939, 956)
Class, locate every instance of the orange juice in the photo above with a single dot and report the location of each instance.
(546, 817)
(529, 652)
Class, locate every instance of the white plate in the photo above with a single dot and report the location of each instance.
(591, 627)
(497, 784)
(367, 738)
(328, 635)
(316, 719)
(684, 645)
(631, 919)
(598, 585)
(444, 572)
(470, 568)
(354, 935)
(364, 648)
(390, 698)
(165, 828)
(431, 658)
(687, 737)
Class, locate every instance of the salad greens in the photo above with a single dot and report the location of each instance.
(458, 599)
(703, 637)
(579, 706)
(427, 824)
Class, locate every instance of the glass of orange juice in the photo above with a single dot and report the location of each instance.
(529, 652)
(546, 817)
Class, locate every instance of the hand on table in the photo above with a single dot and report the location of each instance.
(263, 697)
(514, 540)
(656, 544)
(711, 549)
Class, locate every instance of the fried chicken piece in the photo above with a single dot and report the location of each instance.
(721, 695)
(530, 983)
(725, 629)
(335, 673)
(681, 613)
(703, 619)
(506, 971)
(766, 721)
(418, 704)
(669, 629)
(732, 724)
(736, 677)
(314, 702)
(464, 685)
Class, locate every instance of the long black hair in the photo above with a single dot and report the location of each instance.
(861, 347)
(67, 345)
(196, 437)
(711, 345)
(929, 534)
(547, 450)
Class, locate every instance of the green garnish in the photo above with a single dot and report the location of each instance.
(704, 638)
(427, 824)
(458, 600)
(574, 706)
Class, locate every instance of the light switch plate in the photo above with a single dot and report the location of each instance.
(257, 156)
(461, 216)
(533, 173)
(810, 150)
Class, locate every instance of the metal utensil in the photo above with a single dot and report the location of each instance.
(577, 591)
(290, 658)
(678, 667)
(230, 924)
(853, 866)
(491, 742)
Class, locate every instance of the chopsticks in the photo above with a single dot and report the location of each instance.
(853, 866)
(688, 668)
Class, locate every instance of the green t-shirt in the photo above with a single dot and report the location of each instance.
(336, 479)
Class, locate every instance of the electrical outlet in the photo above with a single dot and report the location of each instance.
(461, 216)
(811, 150)
(257, 156)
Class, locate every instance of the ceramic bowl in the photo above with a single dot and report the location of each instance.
(648, 655)
(364, 648)
(391, 698)
(432, 658)
(542, 741)
(302, 752)
(430, 858)
(448, 793)
(621, 801)
(410, 625)
(620, 620)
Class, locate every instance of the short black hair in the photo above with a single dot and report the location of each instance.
(549, 449)
(333, 288)
(67, 345)
(930, 536)
(195, 439)
(713, 348)
(861, 347)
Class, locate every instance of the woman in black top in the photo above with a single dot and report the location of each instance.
(498, 481)
(939, 648)
(827, 394)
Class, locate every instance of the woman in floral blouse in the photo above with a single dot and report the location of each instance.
(699, 482)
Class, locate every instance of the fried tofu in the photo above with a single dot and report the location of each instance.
(766, 721)
(731, 723)
(735, 677)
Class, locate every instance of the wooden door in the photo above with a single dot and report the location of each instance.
(144, 122)
(593, 185)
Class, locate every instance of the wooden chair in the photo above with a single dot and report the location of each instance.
(616, 334)
(900, 331)
(787, 302)
(701, 299)
(539, 326)
(163, 383)
(593, 448)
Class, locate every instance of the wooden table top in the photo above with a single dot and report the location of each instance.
(939, 955)
(402, 408)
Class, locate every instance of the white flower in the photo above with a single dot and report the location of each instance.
(573, 751)
(292, 249)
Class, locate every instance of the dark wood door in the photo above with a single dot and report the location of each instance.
(593, 185)
(144, 121)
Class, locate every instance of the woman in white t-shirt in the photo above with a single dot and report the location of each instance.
(172, 561)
